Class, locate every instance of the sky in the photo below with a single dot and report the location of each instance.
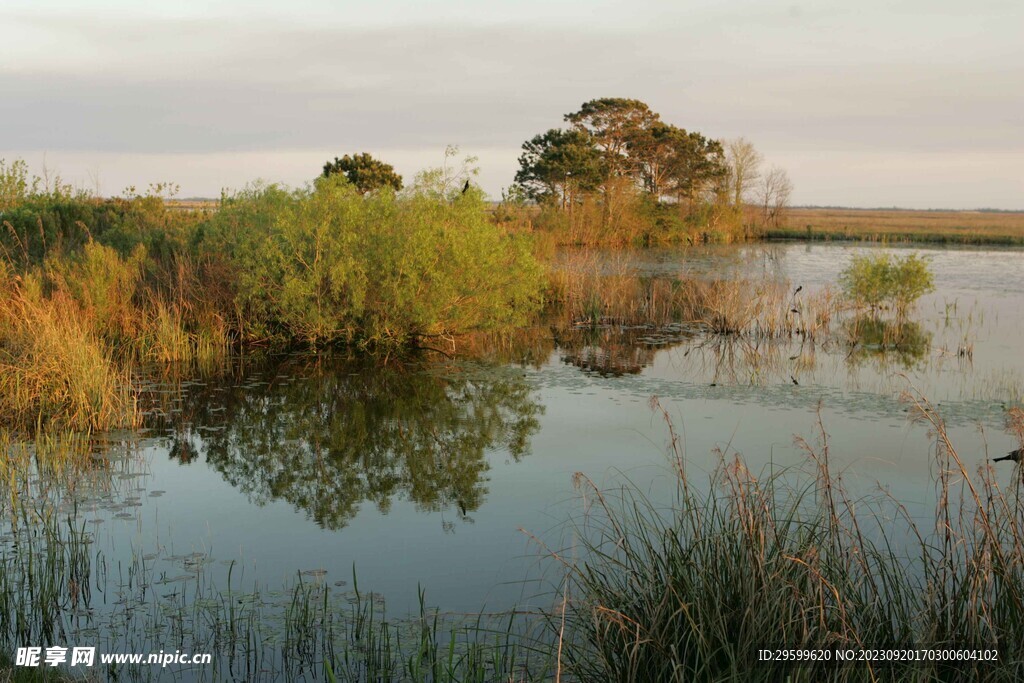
(871, 104)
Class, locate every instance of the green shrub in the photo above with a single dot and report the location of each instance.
(877, 280)
(327, 264)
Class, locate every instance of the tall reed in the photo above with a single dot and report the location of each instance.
(790, 559)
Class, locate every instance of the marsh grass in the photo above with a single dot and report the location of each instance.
(894, 226)
(590, 291)
(789, 558)
(56, 369)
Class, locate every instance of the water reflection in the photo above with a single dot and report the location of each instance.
(327, 434)
(904, 342)
(615, 350)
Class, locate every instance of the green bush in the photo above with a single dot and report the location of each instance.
(327, 264)
(877, 280)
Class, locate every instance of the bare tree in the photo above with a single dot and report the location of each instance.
(774, 192)
(744, 168)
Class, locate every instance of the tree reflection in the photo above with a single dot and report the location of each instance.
(326, 434)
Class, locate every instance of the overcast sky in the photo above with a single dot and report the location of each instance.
(914, 104)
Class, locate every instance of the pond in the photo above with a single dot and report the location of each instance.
(456, 475)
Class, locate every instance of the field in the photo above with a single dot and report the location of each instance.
(899, 225)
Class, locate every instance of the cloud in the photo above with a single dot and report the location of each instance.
(793, 79)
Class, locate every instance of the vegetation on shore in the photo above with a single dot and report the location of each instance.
(93, 289)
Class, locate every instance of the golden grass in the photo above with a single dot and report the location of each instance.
(56, 370)
(961, 227)
(73, 333)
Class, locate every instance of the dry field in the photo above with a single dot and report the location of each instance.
(894, 225)
(192, 204)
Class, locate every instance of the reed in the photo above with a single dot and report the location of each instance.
(901, 225)
(789, 559)
(55, 584)
(591, 291)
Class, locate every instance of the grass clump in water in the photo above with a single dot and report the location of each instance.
(790, 560)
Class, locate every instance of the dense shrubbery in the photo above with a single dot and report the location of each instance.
(90, 287)
(329, 264)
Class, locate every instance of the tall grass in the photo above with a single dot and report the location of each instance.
(789, 559)
(54, 585)
(54, 366)
(901, 225)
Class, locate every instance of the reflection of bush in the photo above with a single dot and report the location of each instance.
(904, 341)
(325, 435)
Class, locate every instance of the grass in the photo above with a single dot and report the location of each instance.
(788, 559)
(56, 368)
(9, 673)
(878, 225)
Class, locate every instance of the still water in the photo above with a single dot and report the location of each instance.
(447, 474)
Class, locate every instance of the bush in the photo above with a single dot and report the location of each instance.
(327, 264)
(879, 279)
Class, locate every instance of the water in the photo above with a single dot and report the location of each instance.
(451, 474)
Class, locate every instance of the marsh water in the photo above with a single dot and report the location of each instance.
(448, 473)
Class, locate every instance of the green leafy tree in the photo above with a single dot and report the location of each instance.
(668, 159)
(559, 165)
(695, 166)
(365, 172)
(610, 123)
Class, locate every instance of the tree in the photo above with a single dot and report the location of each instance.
(610, 123)
(558, 165)
(365, 172)
(774, 193)
(744, 168)
(696, 163)
(652, 150)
